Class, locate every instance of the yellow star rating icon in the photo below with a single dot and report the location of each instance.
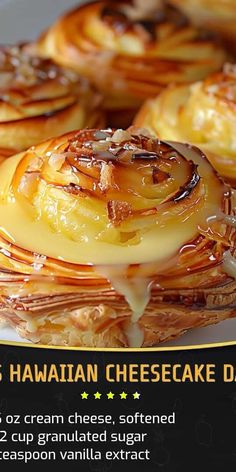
(97, 395)
(110, 396)
(123, 395)
(84, 396)
(136, 396)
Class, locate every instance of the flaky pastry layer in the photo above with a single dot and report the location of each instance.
(39, 99)
(203, 114)
(131, 52)
(218, 16)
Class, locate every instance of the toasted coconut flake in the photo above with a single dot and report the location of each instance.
(137, 131)
(27, 184)
(101, 135)
(56, 161)
(106, 177)
(104, 155)
(120, 136)
(35, 164)
(100, 146)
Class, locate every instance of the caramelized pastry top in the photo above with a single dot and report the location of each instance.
(138, 48)
(19, 69)
(110, 197)
(203, 114)
(222, 8)
(218, 16)
(30, 86)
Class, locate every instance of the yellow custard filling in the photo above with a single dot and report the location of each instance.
(50, 229)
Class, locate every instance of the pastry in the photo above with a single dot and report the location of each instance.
(203, 113)
(6, 152)
(215, 15)
(112, 238)
(39, 99)
(130, 52)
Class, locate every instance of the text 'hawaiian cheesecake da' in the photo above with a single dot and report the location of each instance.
(112, 238)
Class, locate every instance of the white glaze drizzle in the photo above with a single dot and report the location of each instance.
(229, 264)
(136, 291)
(134, 334)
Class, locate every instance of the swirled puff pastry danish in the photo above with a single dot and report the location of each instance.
(203, 114)
(131, 52)
(112, 238)
(215, 15)
(39, 99)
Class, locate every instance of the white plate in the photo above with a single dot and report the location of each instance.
(222, 332)
(25, 19)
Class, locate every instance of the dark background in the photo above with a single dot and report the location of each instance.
(203, 438)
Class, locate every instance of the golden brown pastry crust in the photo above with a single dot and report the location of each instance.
(162, 324)
(6, 152)
(39, 99)
(218, 16)
(137, 51)
(142, 184)
(203, 114)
